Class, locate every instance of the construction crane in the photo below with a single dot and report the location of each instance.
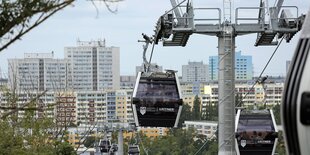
(174, 29)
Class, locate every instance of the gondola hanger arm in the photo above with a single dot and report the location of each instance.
(148, 40)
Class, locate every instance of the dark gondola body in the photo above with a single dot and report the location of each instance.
(133, 150)
(156, 100)
(256, 132)
(104, 145)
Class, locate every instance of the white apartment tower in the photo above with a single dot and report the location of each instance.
(93, 66)
(195, 72)
(37, 71)
(87, 66)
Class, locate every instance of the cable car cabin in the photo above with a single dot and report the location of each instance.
(104, 145)
(133, 150)
(256, 132)
(156, 100)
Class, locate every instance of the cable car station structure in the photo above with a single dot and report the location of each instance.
(174, 29)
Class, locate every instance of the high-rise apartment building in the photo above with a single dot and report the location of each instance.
(38, 71)
(99, 107)
(254, 95)
(93, 66)
(243, 67)
(127, 81)
(65, 108)
(87, 66)
(195, 72)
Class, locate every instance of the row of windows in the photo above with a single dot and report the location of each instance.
(89, 95)
(241, 59)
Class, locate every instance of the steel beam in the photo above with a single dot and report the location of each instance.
(226, 82)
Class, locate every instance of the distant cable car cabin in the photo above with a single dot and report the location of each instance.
(256, 132)
(133, 150)
(104, 145)
(156, 100)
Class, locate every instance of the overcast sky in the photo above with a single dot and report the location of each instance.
(134, 17)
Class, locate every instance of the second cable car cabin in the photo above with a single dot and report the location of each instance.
(105, 145)
(256, 132)
(157, 100)
(133, 150)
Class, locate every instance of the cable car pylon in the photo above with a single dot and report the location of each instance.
(174, 29)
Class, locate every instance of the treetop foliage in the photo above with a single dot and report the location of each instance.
(17, 17)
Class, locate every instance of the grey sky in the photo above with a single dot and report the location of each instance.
(124, 29)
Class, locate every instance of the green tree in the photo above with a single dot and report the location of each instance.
(196, 114)
(211, 112)
(238, 100)
(18, 17)
(30, 135)
(212, 147)
(280, 149)
(277, 115)
(186, 114)
(201, 144)
(65, 149)
(10, 142)
(26, 129)
(89, 141)
(179, 142)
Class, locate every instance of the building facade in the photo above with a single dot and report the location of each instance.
(206, 128)
(249, 96)
(88, 66)
(153, 132)
(65, 109)
(189, 88)
(91, 107)
(93, 66)
(37, 71)
(100, 107)
(127, 82)
(195, 72)
(243, 67)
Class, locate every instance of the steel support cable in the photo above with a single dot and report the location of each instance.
(150, 60)
(140, 139)
(201, 147)
(260, 75)
(226, 140)
(180, 9)
(212, 136)
(173, 8)
(224, 98)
